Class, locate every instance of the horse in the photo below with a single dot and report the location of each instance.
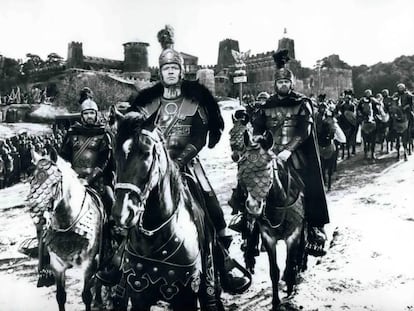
(368, 128)
(348, 124)
(274, 210)
(382, 119)
(399, 128)
(163, 258)
(68, 218)
(325, 127)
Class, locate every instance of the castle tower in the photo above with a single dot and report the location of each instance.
(75, 55)
(286, 43)
(1, 64)
(135, 56)
(225, 58)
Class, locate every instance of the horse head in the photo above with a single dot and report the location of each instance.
(141, 162)
(256, 171)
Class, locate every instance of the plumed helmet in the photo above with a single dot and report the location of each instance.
(85, 93)
(281, 57)
(89, 104)
(168, 55)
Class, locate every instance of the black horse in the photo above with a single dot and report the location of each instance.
(167, 250)
(348, 123)
(274, 210)
(325, 127)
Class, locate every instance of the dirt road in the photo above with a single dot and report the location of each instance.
(369, 265)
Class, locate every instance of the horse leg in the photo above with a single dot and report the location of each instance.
(405, 143)
(60, 290)
(293, 249)
(88, 283)
(252, 249)
(397, 147)
(270, 245)
(60, 279)
(373, 143)
(330, 171)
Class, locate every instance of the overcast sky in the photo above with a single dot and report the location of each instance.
(360, 31)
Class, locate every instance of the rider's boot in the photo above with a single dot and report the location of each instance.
(316, 241)
(235, 279)
(46, 277)
(237, 200)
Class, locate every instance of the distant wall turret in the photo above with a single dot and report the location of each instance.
(75, 55)
(225, 58)
(289, 44)
(136, 56)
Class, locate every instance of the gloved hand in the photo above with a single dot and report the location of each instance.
(284, 155)
(213, 138)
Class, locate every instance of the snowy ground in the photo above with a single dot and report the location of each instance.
(369, 265)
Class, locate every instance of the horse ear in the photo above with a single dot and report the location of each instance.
(246, 137)
(35, 156)
(53, 155)
(267, 141)
(115, 116)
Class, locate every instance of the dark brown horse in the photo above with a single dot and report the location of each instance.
(348, 123)
(274, 209)
(68, 217)
(366, 114)
(399, 128)
(163, 258)
(325, 127)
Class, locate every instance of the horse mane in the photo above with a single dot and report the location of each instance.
(66, 168)
(130, 126)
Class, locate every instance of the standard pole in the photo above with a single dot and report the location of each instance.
(241, 93)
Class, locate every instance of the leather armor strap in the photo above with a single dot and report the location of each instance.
(82, 149)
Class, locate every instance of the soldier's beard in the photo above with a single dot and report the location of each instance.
(89, 121)
(283, 91)
(172, 91)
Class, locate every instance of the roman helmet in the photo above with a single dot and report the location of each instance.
(168, 54)
(89, 104)
(281, 58)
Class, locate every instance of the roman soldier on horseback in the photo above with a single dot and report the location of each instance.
(187, 113)
(289, 116)
(87, 146)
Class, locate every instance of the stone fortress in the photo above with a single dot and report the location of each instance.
(134, 69)
(331, 79)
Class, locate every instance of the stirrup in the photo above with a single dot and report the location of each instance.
(237, 223)
(233, 284)
(46, 278)
(316, 242)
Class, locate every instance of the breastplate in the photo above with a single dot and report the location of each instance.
(85, 153)
(175, 123)
(282, 122)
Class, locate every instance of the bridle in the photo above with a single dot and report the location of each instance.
(142, 195)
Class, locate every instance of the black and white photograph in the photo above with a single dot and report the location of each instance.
(194, 155)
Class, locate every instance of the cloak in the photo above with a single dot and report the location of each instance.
(190, 90)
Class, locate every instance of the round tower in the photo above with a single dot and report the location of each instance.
(287, 43)
(135, 56)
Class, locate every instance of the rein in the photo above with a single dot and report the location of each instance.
(76, 220)
(143, 195)
(284, 208)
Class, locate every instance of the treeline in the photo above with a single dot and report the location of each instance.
(384, 75)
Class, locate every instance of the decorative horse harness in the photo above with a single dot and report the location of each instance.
(139, 272)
